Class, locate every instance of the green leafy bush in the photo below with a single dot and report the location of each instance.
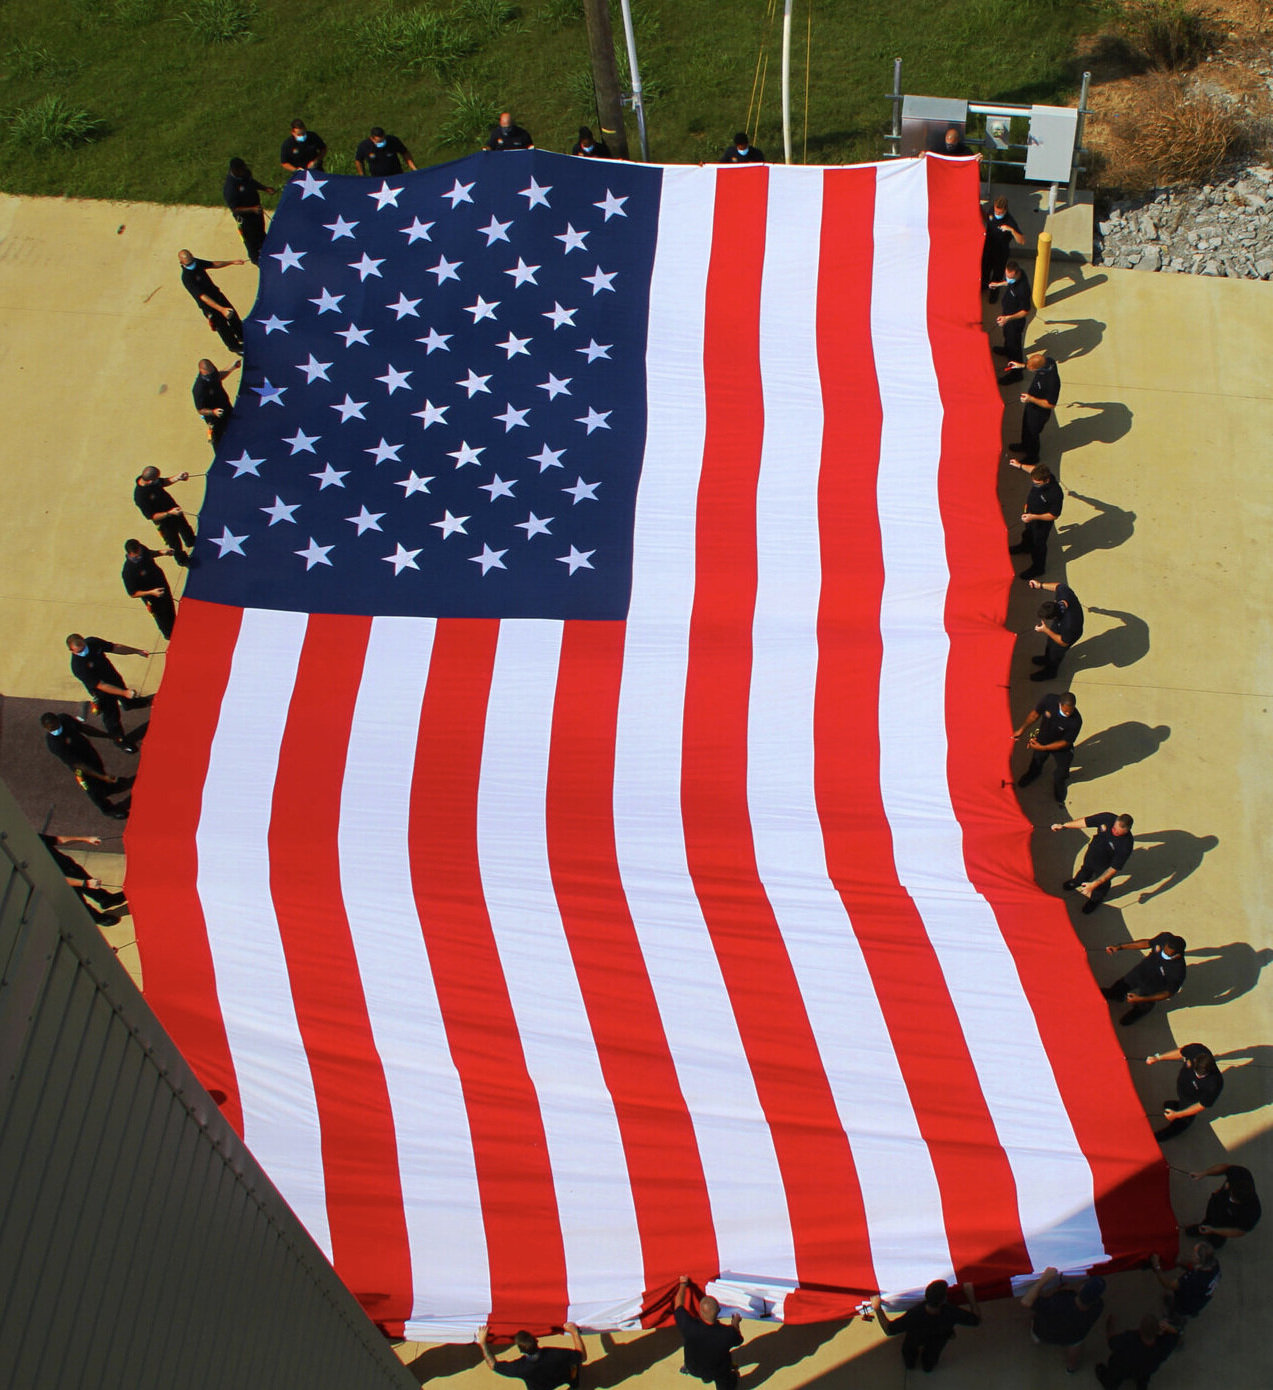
(53, 123)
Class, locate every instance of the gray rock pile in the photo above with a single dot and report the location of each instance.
(1221, 229)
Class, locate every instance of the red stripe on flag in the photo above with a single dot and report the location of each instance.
(360, 1151)
(823, 1198)
(977, 1187)
(1129, 1176)
(669, 1190)
(510, 1151)
(163, 859)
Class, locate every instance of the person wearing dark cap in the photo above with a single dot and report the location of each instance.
(221, 315)
(67, 738)
(144, 579)
(1198, 1085)
(1064, 1317)
(85, 885)
(1192, 1288)
(92, 667)
(1158, 976)
(1136, 1355)
(1013, 315)
(1233, 1209)
(508, 135)
(210, 398)
(542, 1368)
(155, 503)
(242, 194)
(1060, 622)
(927, 1327)
(586, 145)
(1042, 506)
(303, 149)
(1038, 404)
(381, 156)
(708, 1342)
(1107, 852)
(1059, 723)
(742, 151)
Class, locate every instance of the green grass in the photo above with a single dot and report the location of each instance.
(179, 86)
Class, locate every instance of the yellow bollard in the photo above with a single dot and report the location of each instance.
(1042, 264)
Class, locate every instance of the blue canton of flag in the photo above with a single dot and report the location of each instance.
(442, 410)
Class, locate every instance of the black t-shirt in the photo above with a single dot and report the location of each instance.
(1016, 295)
(1157, 972)
(919, 1322)
(1192, 1089)
(997, 233)
(1068, 623)
(196, 279)
(91, 667)
(241, 192)
(1045, 497)
(1054, 724)
(1136, 1361)
(513, 137)
(751, 155)
(382, 161)
(70, 745)
(1047, 382)
(707, 1345)
(143, 573)
(1059, 1321)
(544, 1369)
(209, 393)
(300, 153)
(153, 498)
(1194, 1290)
(1226, 1212)
(1106, 850)
(599, 150)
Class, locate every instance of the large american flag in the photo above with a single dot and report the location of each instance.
(571, 830)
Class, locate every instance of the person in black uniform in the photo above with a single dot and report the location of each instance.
(96, 673)
(586, 145)
(1233, 1209)
(1043, 505)
(382, 156)
(953, 142)
(742, 151)
(1061, 623)
(1002, 230)
(507, 135)
(1059, 722)
(303, 149)
(216, 308)
(708, 1342)
(210, 398)
(242, 194)
(1156, 977)
(1064, 1317)
(1039, 403)
(1136, 1355)
(927, 1327)
(85, 885)
(1013, 314)
(155, 503)
(1198, 1085)
(67, 738)
(1107, 853)
(542, 1368)
(1189, 1292)
(144, 579)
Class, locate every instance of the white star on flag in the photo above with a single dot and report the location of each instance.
(281, 511)
(464, 454)
(595, 350)
(350, 409)
(560, 316)
(413, 483)
(329, 477)
(600, 280)
(482, 309)
(556, 386)
(403, 307)
(595, 419)
(536, 195)
(572, 240)
(384, 451)
(450, 524)
(229, 544)
(274, 324)
(340, 228)
(310, 186)
(577, 559)
(417, 231)
(583, 492)
(328, 302)
(547, 458)
(536, 525)
(365, 520)
(445, 270)
(301, 442)
(245, 463)
(497, 487)
(512, 418)
(432, 414)
(436, 340)
(611, 206)
(474, 383)
(394, 379)
(369, 266)
(385, 197)
(314, 370)
(490, 559)
(314, 554)
(495, 230)
(523, 274)
(513, 345)
(459, 194)
(353, 334)
(402, 559)
(288, 259)
(269, 393)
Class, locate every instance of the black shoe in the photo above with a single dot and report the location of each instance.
(1039, 660)
(1070, 884)
(999, 351)
(1088, 908)
(114, 900)
(106, 919)
(1031, 573)
(1026, 778)
(117, 815)
(1044, 675)
(182, 560)
(128, 748)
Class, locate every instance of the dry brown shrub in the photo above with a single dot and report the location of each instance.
(1177, 136)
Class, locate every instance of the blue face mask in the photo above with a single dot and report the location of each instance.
(379, 144)
(303, 137)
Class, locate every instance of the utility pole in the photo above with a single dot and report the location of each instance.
(605, 76)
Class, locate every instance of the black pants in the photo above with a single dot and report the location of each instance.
(1034, 538)
(1061, 760)
(1014, 339)
(217, 426)
(1033, 419)
(177, 533)
(109, 707)
(1088, 871)
(164, 612)
(1176, 1126)
(926, 1350)
(994, 259)
(252, 230)
(228, 326)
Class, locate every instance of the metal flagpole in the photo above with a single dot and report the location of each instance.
(637, 104)
(786, 80)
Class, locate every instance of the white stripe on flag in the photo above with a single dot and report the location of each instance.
(276, 1088)
(899, 1187)
(744, 1183)
(590, 1174)
(440, 1194)
(1054, 1182)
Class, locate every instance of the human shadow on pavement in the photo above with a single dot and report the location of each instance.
(1249, 1086)
(1110, 528)
(1220, 974)
(1117, 646)
(1110, 421)
(1115, 748)
(1162, 859)
(1059, 290)
(785, 1346)
(1069, 338)
(624, 1359)
(448, 1359)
